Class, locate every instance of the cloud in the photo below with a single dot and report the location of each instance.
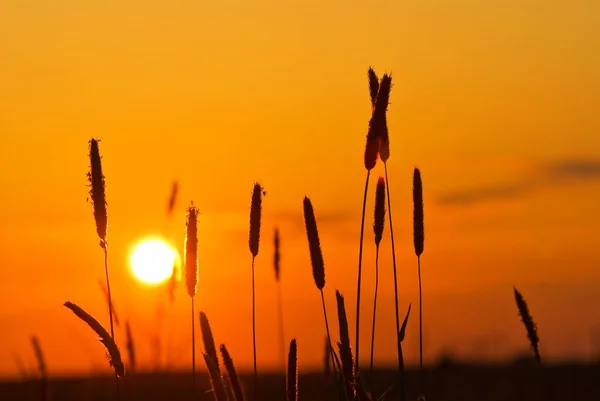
(553, 174)
(575, 170)
(482, 194)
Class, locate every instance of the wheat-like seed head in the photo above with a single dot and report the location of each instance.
(208, 340)
(191, 250)
(114, 355)
(371, 148)
(236, 386)
(373, 86)
(215, 378)
(276, 254)
(529, 324)
(379, 218)
(172, 198)
(314, 245)
(39, 356)
(292, 372)
(98, 191)
(418, 223)
(255, 212)
(380, 114)
(344, 346)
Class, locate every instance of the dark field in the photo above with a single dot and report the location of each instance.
(465, 383)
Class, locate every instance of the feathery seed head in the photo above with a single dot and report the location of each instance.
(373, 86)
(314, 245)
(191, 250)
(383, 99)
(371, 147)
(208, 340)
(276, 254)
(172, 198)
(418, 223)
(255, 211)
(232, 373)
(39, 356)
(98, 191)
(379, 220)
(114, 355)
(218, 387)
(344, 346)
(292, 372)
(529, 324)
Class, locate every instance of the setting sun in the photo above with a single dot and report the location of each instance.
(152, 261)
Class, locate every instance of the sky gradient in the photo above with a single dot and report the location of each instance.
(496, 102)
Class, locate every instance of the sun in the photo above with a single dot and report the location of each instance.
(152, 261)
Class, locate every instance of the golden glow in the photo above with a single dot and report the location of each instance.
(152, 261)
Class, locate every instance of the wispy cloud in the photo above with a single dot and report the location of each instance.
(553, 174)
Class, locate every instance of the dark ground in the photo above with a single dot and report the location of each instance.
(464, 383)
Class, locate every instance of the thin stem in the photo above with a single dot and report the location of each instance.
(420, 317)
(193, 349)
(281, 334)
(360, 251)
(374, 314)
(253, 330)
(398, 342)
(328, 334)
(110, 308)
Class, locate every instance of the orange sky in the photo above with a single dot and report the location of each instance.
(495, 101)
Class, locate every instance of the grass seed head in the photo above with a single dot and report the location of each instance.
(98, 191)
(191, 250)
(255, 212)
(373, 86)
(292, 372)
(529, 324)
(418, 219)
(314, 245)
(379, 218)
(114, 355)
(234, 380)
(276, 254)
(208, 340)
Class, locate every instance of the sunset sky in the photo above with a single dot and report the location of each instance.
(496, 102)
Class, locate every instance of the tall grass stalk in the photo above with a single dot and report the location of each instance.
(191, 272)
(253, 243)
(378, 225)
(98, 196)
(277, 269)
(110, 304)
(316, 260)
(419, 242)
(380, 108)
(370, 160)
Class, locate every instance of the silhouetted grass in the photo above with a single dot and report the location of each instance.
(378, 224)
(253, 242)
(191, 271)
